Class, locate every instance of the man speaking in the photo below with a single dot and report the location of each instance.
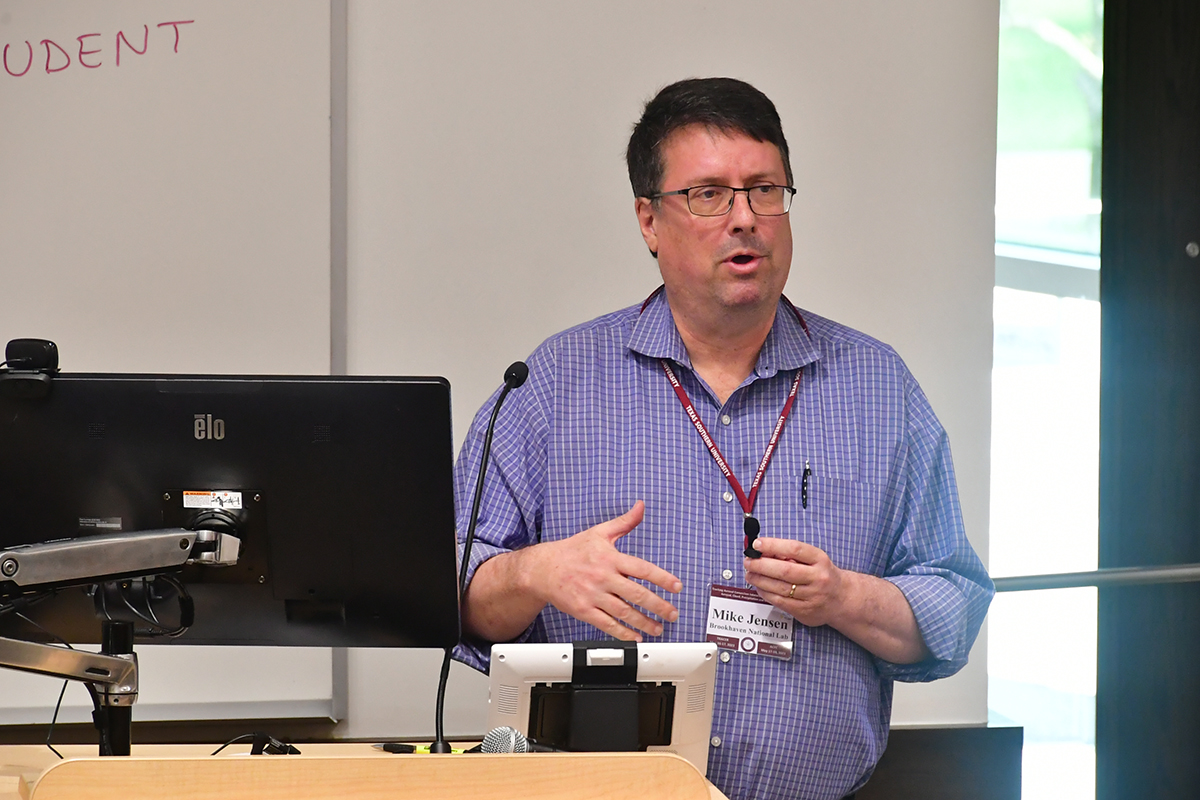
(714, 455)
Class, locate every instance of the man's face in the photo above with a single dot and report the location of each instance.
(712, 265)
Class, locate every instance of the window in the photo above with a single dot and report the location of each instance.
(1048, 133)
(1045, 386)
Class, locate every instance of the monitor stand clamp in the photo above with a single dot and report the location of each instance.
(111, 676)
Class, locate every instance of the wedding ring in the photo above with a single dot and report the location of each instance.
(792, 593)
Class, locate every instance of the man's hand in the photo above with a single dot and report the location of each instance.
(587, 577)
(820, 590)
(584, 575)
(801, 580)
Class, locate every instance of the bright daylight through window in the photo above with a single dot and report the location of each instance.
(1045, 386)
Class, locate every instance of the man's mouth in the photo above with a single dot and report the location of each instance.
(745, 259)
(745, 254)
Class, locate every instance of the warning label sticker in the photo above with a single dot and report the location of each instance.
(212, 499)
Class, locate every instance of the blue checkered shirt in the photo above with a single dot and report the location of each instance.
(597, 427)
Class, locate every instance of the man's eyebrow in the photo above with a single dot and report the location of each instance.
(758, 177)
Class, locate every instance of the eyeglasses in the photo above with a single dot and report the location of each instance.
(767, 200)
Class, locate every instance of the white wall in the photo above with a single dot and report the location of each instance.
(173, 214)
(489, 204)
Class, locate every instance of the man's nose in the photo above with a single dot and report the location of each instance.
(741, 216)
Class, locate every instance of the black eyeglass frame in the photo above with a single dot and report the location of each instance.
(790, 193)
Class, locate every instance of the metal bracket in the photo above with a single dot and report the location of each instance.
(109, 556)
(117, 676)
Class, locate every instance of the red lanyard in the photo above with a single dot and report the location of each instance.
(750, 526)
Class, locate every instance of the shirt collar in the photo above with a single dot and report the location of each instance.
(788, 345)
(654, 332)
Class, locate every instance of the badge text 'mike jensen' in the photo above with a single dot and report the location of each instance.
(747, 619)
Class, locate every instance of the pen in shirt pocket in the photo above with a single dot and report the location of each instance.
(804, 484)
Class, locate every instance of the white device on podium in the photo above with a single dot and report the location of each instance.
(596, 696)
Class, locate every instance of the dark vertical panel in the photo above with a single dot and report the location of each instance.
(1148, 698)
(1147, 713)
(949, 763)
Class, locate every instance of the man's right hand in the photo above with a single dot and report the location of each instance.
(584, 575)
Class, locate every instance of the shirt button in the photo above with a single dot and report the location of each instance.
(725, 656)
(727, 497)
(727, 574)
(715, 741)
(726, 419)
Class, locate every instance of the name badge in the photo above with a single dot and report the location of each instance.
(738, 619)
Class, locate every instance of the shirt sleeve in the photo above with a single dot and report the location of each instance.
(510, 513)
(931, 561)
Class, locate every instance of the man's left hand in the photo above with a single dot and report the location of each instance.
(819, 585)
(802, 580)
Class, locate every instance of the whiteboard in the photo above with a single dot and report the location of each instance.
(170, 213)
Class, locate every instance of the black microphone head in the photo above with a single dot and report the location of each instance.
(504, 740)
(516, 374)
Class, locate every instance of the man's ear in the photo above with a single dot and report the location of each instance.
(647, 215)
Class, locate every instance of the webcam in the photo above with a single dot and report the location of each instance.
(31, 365)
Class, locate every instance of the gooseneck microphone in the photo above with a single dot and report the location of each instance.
(514, 376)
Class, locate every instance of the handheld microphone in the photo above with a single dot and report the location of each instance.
(514, 376)
(511, 740)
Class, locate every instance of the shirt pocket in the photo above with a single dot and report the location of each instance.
(840, 517)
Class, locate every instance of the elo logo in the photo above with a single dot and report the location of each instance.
(205, 427)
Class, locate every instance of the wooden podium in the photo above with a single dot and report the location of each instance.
(187, 772)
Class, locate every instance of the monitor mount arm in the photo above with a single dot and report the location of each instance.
(111, 556)
(112, 674)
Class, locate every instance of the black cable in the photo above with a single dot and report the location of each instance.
(156, 628)
(62, 692)
(25, 601)
(45, 630)
(148, 589)
(234, 740)
(155, 624)
(103, 602)
(187, 607)
(98, 712)
(54, 720)
(263, 743)
(99, 720)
